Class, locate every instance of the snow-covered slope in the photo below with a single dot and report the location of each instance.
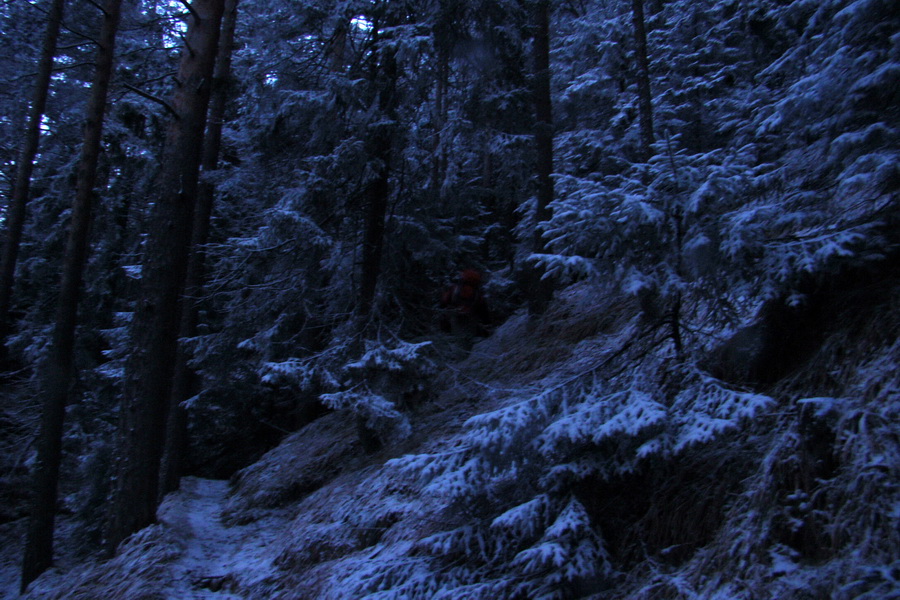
(570, 456)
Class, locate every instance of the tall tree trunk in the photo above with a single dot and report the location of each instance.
(184, 383)
(378, 190)
(439, 152)
(18, 202)
(540, 289)
(154, 329)
(56, 372)
(645, 107)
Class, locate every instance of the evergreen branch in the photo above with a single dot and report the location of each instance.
(153, 98)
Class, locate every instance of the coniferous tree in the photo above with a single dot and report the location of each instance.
(540, 287)
(16, 210)
(380, 143)
(645, 106)
(772, 177)
(154, 330)
(184, 378)
(56, 372)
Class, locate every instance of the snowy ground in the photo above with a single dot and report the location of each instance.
(196, 556)
(216, 557)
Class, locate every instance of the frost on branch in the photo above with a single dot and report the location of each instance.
(708, 408)
(373, 410)
(381, 384)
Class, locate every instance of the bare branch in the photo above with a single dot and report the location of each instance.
(153, 98)
(56, 69)
(191, 9)
(73, 46)
(172, 74)
(98, 7)
(186, 44)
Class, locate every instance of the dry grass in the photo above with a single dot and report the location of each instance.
(302, 463)
(530, 348)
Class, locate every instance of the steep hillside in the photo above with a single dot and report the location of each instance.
(575, 456)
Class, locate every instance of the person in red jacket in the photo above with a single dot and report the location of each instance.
(464, 309)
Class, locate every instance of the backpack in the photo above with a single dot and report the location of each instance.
(465, 296)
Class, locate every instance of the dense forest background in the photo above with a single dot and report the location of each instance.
(229, 224)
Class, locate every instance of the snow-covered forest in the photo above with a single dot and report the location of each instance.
(235, 362)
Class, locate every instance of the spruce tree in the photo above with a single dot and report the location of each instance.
(154, 331)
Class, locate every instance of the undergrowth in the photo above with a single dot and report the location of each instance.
(627, 473)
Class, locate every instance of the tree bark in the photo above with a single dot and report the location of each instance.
(439, 152)
(154, 329)
(645, 107)
(540, 290)
(56, 373)
(15, 214)
(378, 190)
(185, 379)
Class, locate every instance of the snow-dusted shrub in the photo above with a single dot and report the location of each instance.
(814, 514)
(403, 372)
(518, 477)
(373, 413)
(379, 385)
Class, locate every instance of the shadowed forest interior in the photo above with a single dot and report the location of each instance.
(467, 299)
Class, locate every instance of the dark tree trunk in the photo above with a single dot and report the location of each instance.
(439, 152)
(185, 379)
(645, 107)
(337, 52)
(378, 190)
(540, 290)
(18, 202)
(543, 133)
(56, 372)
(154, 329)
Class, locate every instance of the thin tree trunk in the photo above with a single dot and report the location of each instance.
(56, 374)
(676, 215)
(338, 50)
(184, 384)
(543, 133)
(645, 107)
(15, 214)
(439, 152)
(154, 329)
(378, 191)
(540, 290)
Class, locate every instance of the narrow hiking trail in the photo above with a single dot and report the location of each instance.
(216, 559)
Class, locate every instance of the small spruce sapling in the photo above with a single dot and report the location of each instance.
(381, 383)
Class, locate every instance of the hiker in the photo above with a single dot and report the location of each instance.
(464, 309)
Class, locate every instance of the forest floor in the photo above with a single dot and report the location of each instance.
(215, 557)
(201, 558)
(10, 558)
(318, 518)
(192, 555)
